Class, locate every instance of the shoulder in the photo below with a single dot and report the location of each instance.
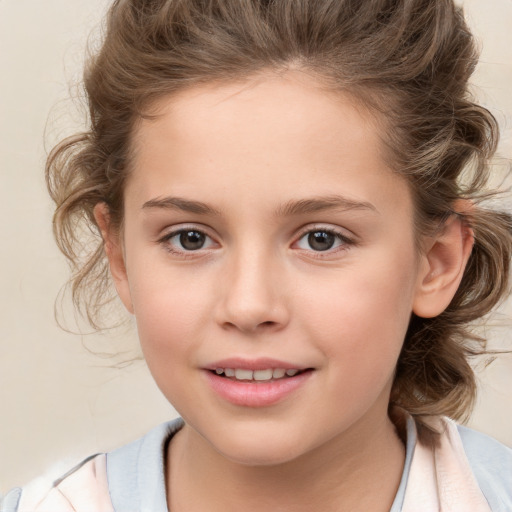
(83, 488)
(136, 472)
(491, 463)
(101, 482)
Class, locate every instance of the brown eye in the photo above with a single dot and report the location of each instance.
(321, 240)
(187, 241)
(192, 240)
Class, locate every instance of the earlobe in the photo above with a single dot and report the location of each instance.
(114, 251)
(442, 267)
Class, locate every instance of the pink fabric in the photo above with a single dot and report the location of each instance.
(85, 490)
(440, 477)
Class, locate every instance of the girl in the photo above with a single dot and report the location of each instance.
(288, 197)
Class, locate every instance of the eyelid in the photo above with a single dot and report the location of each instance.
(347, 240)
(180, 228)
(184, 226)
(329, 228)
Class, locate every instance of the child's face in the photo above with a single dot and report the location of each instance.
(263, 230)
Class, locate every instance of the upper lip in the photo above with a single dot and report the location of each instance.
(263, 363)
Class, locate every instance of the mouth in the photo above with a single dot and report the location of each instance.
(264, 375)
(258, 383)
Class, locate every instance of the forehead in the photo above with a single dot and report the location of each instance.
(272, 134)
(291, 104)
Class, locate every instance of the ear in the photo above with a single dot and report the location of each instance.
(114, 250)
(443, 264)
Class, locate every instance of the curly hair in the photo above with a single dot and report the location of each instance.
(408, 61)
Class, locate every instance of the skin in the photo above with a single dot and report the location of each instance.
(257, 288)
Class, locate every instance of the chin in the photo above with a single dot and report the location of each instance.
(260, 457)
(256, 449)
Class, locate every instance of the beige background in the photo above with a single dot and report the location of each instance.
(58, 402)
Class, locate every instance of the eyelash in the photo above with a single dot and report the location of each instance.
(344, 242)
(184, 253)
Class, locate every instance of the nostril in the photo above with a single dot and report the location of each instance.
(268, 324)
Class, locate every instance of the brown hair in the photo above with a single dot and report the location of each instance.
(409, 60)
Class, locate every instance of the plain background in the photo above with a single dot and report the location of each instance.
(58, 401)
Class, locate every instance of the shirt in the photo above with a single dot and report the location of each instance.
(465, 471)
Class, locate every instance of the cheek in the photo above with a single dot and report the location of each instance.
(170, 310)
(361, 317)
(167, 324)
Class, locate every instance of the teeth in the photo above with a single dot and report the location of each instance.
(263, 375)
(258, 375)
(278, 373)
(243, 374)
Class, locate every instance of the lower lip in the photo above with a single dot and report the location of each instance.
(256, 393)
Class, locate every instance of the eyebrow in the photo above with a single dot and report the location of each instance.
(319, 204)
(289, 209)
(178, 203)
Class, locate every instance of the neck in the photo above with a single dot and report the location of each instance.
(357, 471)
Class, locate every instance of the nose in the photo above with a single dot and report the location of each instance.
(252, 294)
